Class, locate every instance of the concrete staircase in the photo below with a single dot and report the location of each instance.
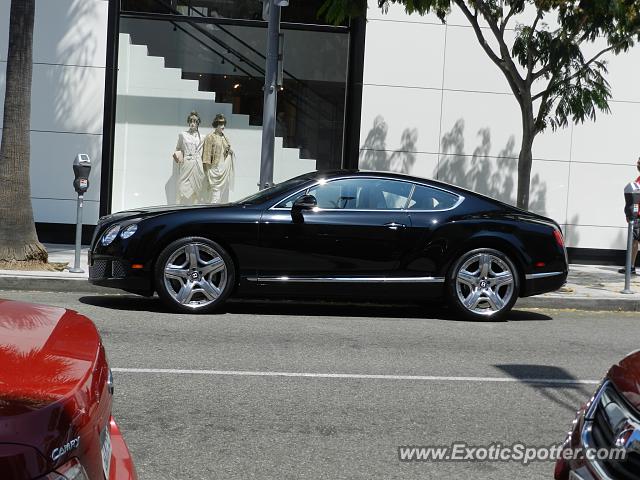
(153, 104)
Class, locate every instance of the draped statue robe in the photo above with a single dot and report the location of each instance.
(191, 184)
(218, 160)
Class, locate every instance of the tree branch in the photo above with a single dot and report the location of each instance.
(545, 99)
(509, 66)
(506, 19)
(584, 67)
(529, 46)
(501, 63)
(544, 70)
(478, 31)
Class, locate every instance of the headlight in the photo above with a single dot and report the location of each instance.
(128, 231)
(110, 235)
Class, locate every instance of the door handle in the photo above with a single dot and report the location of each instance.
(395, 226)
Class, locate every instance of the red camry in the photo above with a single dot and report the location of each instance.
(55, 398)
(604, 443)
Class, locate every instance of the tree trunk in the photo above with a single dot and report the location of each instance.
(18, 239)
(525, 159)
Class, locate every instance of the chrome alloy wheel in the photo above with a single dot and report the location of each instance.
(484, 284)
(195, 275)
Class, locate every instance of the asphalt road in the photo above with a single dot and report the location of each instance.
(244, 394)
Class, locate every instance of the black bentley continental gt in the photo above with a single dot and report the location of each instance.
(350, 234)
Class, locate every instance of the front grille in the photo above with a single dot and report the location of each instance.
(117, 269)
(610, 412)
(99, 269)
(107, 269)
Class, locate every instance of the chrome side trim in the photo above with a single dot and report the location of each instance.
(585, 434)
(533, 276)
(285, 279)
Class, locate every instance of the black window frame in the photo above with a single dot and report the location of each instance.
(353, 99)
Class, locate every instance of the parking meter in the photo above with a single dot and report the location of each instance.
(81, 170)
(631, 200)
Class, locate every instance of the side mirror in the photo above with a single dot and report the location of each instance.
(305, 202)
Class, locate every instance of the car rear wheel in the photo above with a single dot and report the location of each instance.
(194, 275)
(483, 285)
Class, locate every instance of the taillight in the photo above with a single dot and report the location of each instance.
(72, 470)
(558, 236)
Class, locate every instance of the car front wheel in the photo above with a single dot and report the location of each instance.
(194, 275)
(483, 285)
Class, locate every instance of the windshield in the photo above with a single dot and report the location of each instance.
(275, 191)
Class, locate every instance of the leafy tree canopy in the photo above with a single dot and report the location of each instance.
(576, 84)
(548, 69)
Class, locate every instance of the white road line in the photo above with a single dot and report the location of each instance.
(358, 376)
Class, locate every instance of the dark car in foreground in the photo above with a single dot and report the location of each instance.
(606, 426)
(55, 398)
(350, 234)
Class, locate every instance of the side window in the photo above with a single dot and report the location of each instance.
(288, 202)
(357, 194)
(427, 198)
(362, 194)
(333, 195)
(396, 194)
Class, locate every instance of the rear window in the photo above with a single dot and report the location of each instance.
(427, 198)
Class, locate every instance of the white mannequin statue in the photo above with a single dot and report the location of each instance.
(191, 181)
(218, 160)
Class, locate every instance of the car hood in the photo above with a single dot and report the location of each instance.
(626, 377)
(52, 379)
(154, 211)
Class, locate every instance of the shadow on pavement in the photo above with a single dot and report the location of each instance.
(567, 395)
(125, 302)
(304, 308)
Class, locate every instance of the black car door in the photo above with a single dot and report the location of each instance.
(359, 228)
(430, 211)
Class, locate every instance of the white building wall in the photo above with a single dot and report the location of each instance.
(435, 106)
(69, 54)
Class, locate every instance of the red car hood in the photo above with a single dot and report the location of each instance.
(53, 374)
(626, 377)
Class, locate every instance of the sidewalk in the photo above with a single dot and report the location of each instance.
(589, 287)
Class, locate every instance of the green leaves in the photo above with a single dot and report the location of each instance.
(337, 11)
(577, 93)
(569, 86)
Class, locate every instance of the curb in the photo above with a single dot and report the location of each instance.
(51, 284)
(81, 285)
(580, 303)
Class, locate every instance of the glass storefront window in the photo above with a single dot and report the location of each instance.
(167, 69)
(298, 11)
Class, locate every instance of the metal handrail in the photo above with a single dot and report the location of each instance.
(242, 57)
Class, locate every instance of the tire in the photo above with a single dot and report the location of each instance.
(194, 275)
(482, 285)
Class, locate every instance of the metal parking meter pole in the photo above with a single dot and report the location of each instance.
(76, 264)
(81, 170)
(627, 273)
